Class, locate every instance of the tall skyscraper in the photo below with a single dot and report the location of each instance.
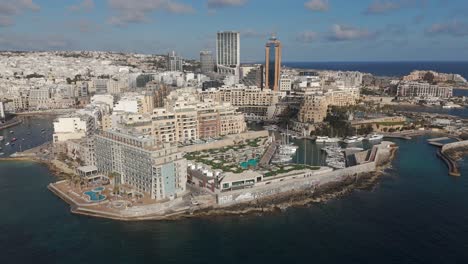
(228, 52)
(174, 62)
(206, 62)
(272, 63)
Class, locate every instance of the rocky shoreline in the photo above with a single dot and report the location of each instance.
(296, 199)
(267, 205)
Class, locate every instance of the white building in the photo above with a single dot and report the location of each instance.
(73, 127)
(228, 52)
(285, 84)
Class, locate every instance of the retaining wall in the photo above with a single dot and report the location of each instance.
(305, 181)
(228, 141)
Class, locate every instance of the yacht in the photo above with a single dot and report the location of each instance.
(281, 159)
(375, 137)
(327, 140)
(287, 149)
(354, 139)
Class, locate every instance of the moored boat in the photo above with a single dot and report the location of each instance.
(374, 137)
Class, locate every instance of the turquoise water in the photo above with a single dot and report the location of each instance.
(247, 164)
(95, 196)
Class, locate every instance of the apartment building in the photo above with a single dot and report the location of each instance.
(423, 90)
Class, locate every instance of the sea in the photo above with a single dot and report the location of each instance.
(415, 213)
(391, 69)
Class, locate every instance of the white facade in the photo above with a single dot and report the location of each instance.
(228, 52)
(285, 84)
(66, 128)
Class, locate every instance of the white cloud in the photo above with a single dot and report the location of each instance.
(138, 11)
(11, 8)
(317, 5)
(86, 6)
(345, 33)
(225, 3)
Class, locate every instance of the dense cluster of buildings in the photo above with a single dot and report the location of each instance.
(134, 112)
(436, 77)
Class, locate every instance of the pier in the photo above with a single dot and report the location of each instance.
(442, 152)
(451, 164)
(10, 123)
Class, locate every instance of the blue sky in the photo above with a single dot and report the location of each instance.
(310, 30)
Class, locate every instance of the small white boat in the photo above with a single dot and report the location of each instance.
(375, 137)
(354, 139)
(1, 153)
(8, 143)
(327, 140)
(1, 138)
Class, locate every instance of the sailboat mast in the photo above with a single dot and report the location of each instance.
(305, 151)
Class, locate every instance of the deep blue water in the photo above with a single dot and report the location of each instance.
(415, 214)
(385, 68)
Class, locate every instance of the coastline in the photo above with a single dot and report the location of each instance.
(270, 204)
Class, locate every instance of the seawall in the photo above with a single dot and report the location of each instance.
(305, 180)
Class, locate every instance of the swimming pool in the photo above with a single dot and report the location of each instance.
(95, 196)
(247, 164)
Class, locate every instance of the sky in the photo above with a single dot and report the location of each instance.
(310, 30)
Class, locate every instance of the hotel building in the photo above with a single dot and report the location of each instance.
(142, 163)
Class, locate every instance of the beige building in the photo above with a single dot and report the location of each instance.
(314, 107)
(186, 118)
(252, 101)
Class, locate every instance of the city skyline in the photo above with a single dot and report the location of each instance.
(310, 30)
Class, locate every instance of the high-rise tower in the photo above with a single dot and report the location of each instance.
(174, 62)
(206, 62)
(272, 63)
(228, 52)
